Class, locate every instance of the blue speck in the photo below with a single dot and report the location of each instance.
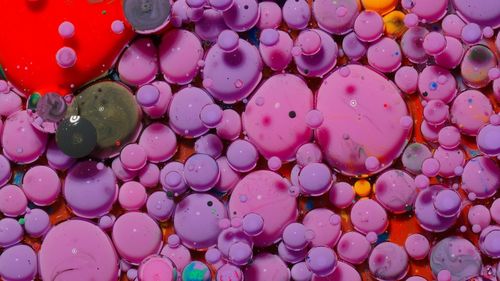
(252, 36)
(309, 204)
(18, 178)
(469, 100)
(433, 86)
(382, 237)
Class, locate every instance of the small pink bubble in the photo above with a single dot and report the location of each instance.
(117, 26)
(476, 228)
(274, 163)
(371, 237)
(314, 119)
(341, 11)
(410, 20)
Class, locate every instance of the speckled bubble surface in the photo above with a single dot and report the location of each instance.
(231, 140)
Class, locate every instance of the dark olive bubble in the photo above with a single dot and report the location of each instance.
(480, 54)
(112, 110)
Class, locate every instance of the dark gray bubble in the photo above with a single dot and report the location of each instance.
(146, 15)
(76, 137)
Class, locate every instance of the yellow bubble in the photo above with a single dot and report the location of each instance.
(362, 187)
(380, 6)
(394, 24)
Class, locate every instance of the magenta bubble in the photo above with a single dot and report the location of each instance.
(201, 172)
(406, 78)
(117, 26)
(66, 57)
(308, 153)
(396, 191)
(185, 110)
(18, 263)
(488, 241)
(320, 63)
(228, 272)
(427, 10)
(481, 176)
(276, 269)
(449, 137)
(411, 44)
(452, 54)
(348, 96)
(196, 220)
(343, 272)
(265, 124)
(133, 157)
(352, 46)
(450, 161)
(321, 261)
(452, 25)
(21, 142)
(434, 43)
(242, 15)
(353, 248)
(321, 222)
(277, 56)
(384, 55)
(157, 267)
(296, 14)
(66, 29)
(147, 95)
(336, 17)
(471, 33)
(495, 211)
(447, 203)
(242, 155)
(388, 261)
(88, 191)
(426, 214)
(261, 188)
(183, 49)
(367, 215)
(270, 15)
(467, 104)
(11, 232)
(480, 215)
(341, 195)
(140, 71)
(13, 201)
(159, 109)
(300, 272)
(178, 254)
(132, 196)
(136, 236)
(368, 26)
(72, 243)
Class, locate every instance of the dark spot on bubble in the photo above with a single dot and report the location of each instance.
(350, 89)
(99, 90)
(266, 121)
(292, 114)
(210, 203)
(306, 71)
(425, 94)
(480, 54)
(245, 7)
